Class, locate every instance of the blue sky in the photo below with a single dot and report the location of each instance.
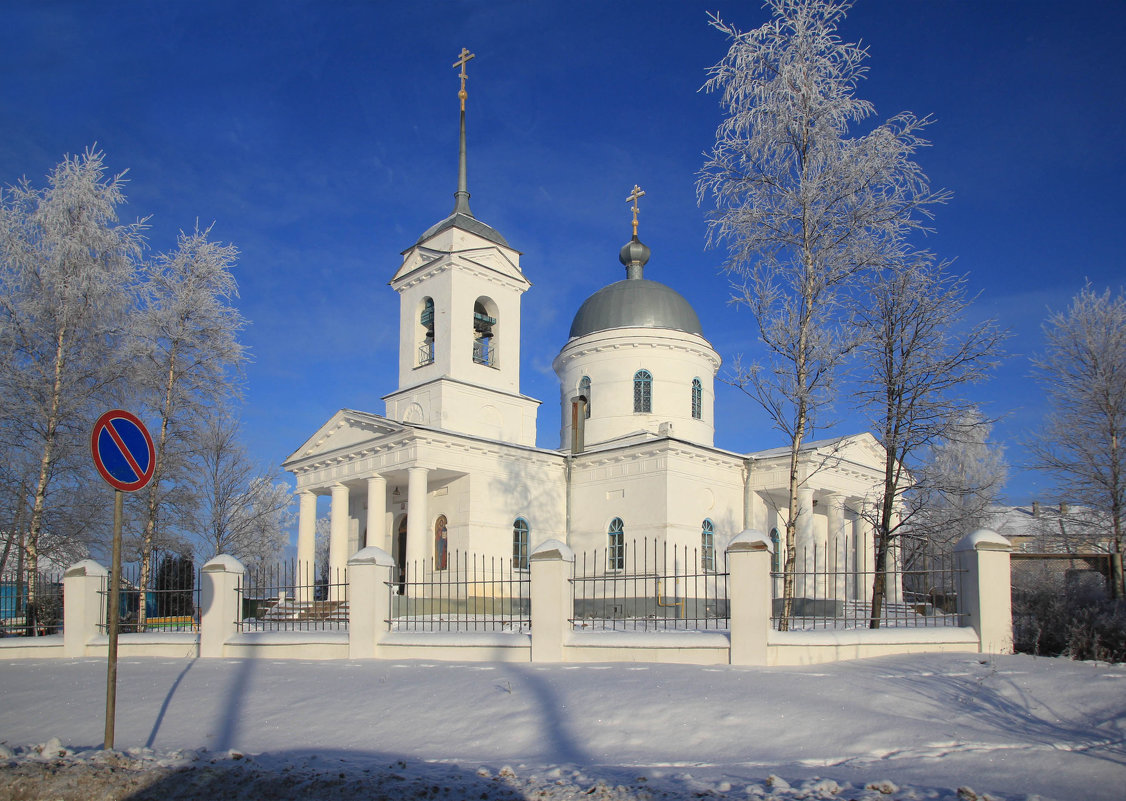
(321, 138)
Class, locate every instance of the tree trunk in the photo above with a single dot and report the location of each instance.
(50, 432)
(154, 488)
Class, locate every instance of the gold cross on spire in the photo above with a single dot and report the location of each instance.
(634, 196)
(462, 59)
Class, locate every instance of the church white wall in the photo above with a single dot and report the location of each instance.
(467, 409)
(661, 491)
(611, 358)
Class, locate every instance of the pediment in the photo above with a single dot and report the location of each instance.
(490, 259)
(495, 260)
(345, 431)
(862, 449)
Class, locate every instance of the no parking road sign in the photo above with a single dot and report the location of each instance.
(123, 450)
(124, 454)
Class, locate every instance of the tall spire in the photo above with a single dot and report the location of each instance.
(461, 196)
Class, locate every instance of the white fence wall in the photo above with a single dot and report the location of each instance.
(749, 640)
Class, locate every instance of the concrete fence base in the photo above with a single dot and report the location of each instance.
(984, 605)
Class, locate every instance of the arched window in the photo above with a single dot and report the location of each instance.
(484, 332)
(441, 553)
(616, 552)
(426, 330)
(707, 546)
(776, 558)
(520, 544)
(642, 392)
(697, 399)
(584, 390)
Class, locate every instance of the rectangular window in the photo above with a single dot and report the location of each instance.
(616, 558)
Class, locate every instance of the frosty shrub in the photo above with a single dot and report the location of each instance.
(1049, 623)
(1098, 632)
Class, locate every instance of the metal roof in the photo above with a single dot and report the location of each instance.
(465, 222)
(635, 303)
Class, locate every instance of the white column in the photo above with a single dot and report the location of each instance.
(338, 541)
(776, 520)
(838, 540)
(377, 513)
(417, 521)
(895, 563)
(306, 545)
(866, 550)
(804, 539)
(754, 510)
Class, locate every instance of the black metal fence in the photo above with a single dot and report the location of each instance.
(31, 605)
(291, 596)
(470, 592)
(169, 602)
(835, 590)
(649, 586)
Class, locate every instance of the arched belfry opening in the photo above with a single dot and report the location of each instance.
(485, 332)
(424, 332)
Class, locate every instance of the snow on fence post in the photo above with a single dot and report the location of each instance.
(83, 583)
(984, 597)
(551, 564)
(749, 596)
(369, 571)
(220, 603)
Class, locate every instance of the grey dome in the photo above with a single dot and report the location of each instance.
(635, 303)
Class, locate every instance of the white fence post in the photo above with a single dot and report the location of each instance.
(220, 607)
(749, 596)
(369, 600)
(985, 595)
(83, 583)
(550, 591)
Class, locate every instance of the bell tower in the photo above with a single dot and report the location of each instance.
(459, 324)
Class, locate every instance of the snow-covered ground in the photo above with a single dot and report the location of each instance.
(917, 727)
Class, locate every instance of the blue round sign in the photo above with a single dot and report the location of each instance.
(123, 451)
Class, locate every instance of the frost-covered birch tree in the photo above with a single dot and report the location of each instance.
(244, 512)
(805, 199)
(186, 361)
(1083, 440)
(66, 269)
(917, 356)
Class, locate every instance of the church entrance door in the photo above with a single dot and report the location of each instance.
(401, 555)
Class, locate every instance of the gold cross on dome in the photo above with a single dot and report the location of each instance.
(634, 196)
(462, 59)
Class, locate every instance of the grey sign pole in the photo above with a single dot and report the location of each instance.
(114, 615)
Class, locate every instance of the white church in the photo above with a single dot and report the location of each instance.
(452, 463)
